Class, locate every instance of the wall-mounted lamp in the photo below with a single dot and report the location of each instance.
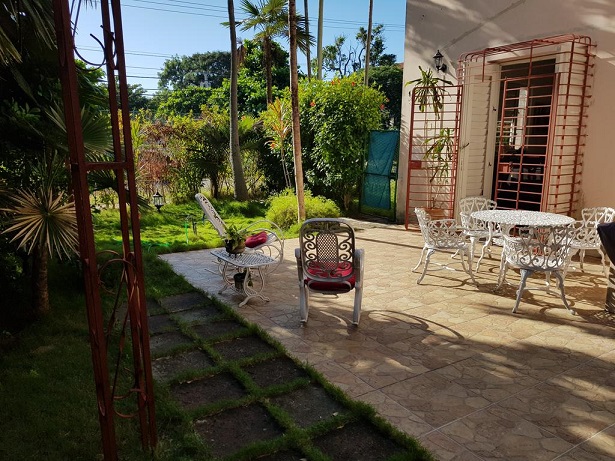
(440, 66)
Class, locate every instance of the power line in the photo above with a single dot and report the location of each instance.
(335, 21)
(141, 67)
(173, 11)
(217, 9)
(136, 53)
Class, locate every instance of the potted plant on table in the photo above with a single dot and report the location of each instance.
(235, 239)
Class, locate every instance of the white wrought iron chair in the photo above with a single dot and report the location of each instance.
(442, 235)
(538, 249)
(478, 230)
(586, 234)
(263, 236)
(328, 263)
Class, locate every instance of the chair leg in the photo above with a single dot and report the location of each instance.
(482, 253)
(604, 266)
(581, 257)
(304, 299)
(427, 256)
(524, 275)
(472, 247)
(469, 268)
(358, 298)
(502, 276)
(420, 260)
(562, 294)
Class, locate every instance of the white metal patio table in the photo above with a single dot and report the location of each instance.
(251, 266)
(507, 219)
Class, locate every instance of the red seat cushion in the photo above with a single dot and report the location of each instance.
(257, 239)
(334, 286)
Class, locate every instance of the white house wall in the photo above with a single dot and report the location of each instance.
(457, 27)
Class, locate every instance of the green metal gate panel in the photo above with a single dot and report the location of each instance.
(381, 169)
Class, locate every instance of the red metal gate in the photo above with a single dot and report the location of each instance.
(540, 137)
(523, 140)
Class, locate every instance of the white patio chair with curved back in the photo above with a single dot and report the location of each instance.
(538, 249)
(478, 230)
(586, 234)
(263, 236)
(442, 235)
(328, 263)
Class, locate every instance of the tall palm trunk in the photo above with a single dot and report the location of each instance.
(40, 285)
(319, 40)
(241, 190)
(294, 99)
(268, 68)
(307, 31)
(368, 42)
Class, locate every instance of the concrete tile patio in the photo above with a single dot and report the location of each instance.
(448, 362)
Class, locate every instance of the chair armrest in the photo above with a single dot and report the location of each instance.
(268, 226)
(299, 265)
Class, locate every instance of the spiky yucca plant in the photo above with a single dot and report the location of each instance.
(43, 223)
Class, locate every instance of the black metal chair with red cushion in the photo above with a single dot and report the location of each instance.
(328, 263)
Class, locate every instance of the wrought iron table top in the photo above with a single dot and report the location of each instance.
(522, 217)
(243, 259)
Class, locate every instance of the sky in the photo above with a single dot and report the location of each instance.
(156, 30)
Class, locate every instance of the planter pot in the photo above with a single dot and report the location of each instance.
(234, 248)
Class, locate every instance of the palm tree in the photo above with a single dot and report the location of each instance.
(15, 14)
(294, 100)
(241, 190)
(37, 209)
(307, 31)
(270, 19)
(44, 223)
(368, 42)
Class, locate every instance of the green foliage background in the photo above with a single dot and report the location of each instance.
(336, 118)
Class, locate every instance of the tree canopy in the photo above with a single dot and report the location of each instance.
(200, 69)
(342, 58)
(269, 18)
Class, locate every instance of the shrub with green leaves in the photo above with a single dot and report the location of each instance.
(336, 118)
(283, 208)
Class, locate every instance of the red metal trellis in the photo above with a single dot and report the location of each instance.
(434, 152)
(130, 260)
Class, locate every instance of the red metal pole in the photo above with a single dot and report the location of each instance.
(72, 115)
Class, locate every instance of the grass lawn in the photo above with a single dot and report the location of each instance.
(47, 394)
(179, 227)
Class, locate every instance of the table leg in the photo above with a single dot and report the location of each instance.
(248, 286)
(487, 242)
(227, 273)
